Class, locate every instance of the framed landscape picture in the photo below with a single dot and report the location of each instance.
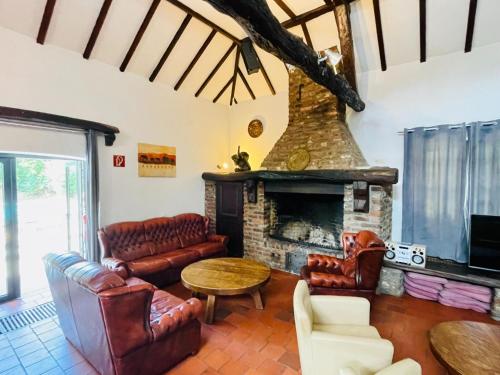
(156, 161)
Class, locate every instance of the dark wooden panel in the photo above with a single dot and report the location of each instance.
(97, 28)
(470, 25)
(140, 33)
(44, 25)
(229, 215)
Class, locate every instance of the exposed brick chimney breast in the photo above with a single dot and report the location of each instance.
(317, 124)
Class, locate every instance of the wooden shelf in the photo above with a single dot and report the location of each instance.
(458, 272)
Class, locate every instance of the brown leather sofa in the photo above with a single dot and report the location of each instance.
(158, 249)
(121, 326)
(355, 275)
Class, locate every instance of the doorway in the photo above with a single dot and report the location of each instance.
(42, 209)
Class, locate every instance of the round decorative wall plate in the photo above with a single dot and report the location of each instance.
(255, 128)
(299, 160)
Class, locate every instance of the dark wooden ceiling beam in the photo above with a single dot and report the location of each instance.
(312, 14)
(305, 30)
(195, 59)
(204, 20)
(223, 90)
(247, 85)
(423, 30)
(470, 25)
(235, 74)
(380, 34)
(285, 8)
(343, 20)
(97, 28)
(266, 78)
(215, 70)
(44, 25)
(170, 47)
(139, 34)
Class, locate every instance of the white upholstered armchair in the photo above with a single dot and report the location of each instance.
(335, 337)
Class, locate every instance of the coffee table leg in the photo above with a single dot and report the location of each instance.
(209, 312)
(257, 299)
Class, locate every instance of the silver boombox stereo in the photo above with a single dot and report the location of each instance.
(403, 253)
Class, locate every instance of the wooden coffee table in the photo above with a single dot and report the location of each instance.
(467, 348)
(226, 277)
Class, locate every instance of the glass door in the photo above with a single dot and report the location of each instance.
(9, 257)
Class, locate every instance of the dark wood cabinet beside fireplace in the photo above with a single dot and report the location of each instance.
(229, 215)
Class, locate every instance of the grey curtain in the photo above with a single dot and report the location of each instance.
(435, 209)
(92, 252)
(485, 168)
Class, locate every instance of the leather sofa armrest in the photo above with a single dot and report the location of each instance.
(328, 280)
(323, 261)
(218, 238)
(176, 318)
(117, 266)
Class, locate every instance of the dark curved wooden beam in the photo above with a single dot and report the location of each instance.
(97, 28)
(44, 25)
(215, 70)
(266, 31)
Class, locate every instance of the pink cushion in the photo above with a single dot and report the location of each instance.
(473, 295)
(460, 298)
(433, 279)
(423, 285)
(477, 289)
(461, 305)
(420, 293)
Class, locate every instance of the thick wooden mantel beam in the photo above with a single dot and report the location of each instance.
(266, 31)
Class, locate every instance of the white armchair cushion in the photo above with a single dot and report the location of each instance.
(405, 367)
(340, 310)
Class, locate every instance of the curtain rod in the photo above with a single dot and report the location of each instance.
(486, 123)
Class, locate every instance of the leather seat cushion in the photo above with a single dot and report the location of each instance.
(207, 249)
(181, 258)
(162, 303)
(148, 265)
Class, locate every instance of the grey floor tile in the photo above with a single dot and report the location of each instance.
(41, 367)
(34, 357)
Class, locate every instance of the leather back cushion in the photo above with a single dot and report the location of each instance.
(348, 243)
(369, 265)
(191, 229)
(162, 233)
(94, 277)
(366, 238)
(125, 241)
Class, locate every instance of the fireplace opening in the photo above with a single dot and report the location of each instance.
(308, 219)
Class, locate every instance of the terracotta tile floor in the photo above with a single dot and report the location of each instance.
(243, 340)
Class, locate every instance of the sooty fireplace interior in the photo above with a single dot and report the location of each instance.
(309, 217)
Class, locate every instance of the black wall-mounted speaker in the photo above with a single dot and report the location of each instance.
(250, 58)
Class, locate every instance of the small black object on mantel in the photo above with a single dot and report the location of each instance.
(241, 161)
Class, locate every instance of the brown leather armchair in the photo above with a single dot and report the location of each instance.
(121, 326)
(355, 275)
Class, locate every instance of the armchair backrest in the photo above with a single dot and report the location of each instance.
(303, 315)
(126, 241)
(369, 263)
(191, 229)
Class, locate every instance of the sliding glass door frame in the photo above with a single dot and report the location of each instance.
(11, 229)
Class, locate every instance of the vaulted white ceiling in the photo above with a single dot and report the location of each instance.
(73, 21)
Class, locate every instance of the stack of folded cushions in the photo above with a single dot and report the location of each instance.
(424, 286)
(466, 296)
(449, 293)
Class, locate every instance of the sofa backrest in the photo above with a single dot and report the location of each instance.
(126, 241)
(191, 229)
(55, 265)
(162, 233)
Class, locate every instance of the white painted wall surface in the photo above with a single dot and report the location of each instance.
(452, 88)
(53, 80)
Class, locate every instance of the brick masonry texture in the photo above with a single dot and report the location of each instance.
(317, 124)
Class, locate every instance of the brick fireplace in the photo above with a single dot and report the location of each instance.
(286, 214)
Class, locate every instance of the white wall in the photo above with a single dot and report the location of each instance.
(49, 79)
(452, 88)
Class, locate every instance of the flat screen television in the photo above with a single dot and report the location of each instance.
(484, 244)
